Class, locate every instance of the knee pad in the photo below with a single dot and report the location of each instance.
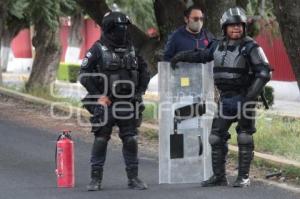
(245, 139)
(130, 144)
(215, 139)
(100, 145)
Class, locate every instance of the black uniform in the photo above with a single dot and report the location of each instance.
(241, 70)
(112, 68)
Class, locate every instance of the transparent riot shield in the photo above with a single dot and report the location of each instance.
(185, 116)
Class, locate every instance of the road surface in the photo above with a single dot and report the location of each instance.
(27, 170)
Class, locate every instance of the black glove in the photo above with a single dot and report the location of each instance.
(180, 57)
(138, 97)
(177, 58)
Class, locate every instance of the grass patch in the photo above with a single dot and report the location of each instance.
(275, 135)
(43, 92)
(150, 134)
(151, 111)
(263, 167)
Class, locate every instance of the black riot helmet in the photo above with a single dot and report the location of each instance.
(233, 16)
(114, 26)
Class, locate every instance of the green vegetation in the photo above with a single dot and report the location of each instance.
(150, 112)
(68, 72)
(291, 173)
(140, 12)
(150, 134)
(269, 94)
(276, 135)
(43, 92)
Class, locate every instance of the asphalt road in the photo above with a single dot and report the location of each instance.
(27, 172)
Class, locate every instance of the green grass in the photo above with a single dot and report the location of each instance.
(43, 92)
(150, 112)
(276, 135)
(291, 172)
(150, 134)
(68, 72)
(63, 72)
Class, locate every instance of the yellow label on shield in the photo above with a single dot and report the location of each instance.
(184, 81)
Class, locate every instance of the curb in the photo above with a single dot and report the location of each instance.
(67, 109)
(40, 101)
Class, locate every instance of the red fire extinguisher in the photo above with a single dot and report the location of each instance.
(64, 157)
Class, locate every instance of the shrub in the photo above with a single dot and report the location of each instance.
(269, 93)
(68, 72)
(73, 72)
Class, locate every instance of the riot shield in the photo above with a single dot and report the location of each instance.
(185, 116)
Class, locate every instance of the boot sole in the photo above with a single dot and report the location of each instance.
(136, 188)
(241, 186)
(94, 189)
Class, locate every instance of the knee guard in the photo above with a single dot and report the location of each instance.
(130, 144)
(246, 147)
(100, 146)
(245, 139)
(218, 154)
(215, 139)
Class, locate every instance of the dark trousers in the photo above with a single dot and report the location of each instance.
(233, 109)
(127, 133)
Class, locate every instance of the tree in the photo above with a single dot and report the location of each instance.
(3, 14)
(15, 21)
(75, 34)
(287, 14)
(242, 3)
(168, 15)
(214, 10)
(44, 15)
(140, 12)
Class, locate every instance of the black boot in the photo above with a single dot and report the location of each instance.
(96, 175)
(133, 181)
(245, 157)
(218, 164)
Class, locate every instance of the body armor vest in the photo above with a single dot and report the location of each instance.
(121, 69)
(231, 68)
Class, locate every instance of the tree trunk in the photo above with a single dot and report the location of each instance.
(288, 16)
(169, 15)
(214, 12)
(242, 3)
(48, 51)
(5, 49)
(3, 15)
(1, 30)
(75, 37)
(145, 45)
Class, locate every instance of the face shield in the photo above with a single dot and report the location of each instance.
(116, 26)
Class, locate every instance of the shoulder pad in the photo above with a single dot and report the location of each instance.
(100, 46)
(247, 45)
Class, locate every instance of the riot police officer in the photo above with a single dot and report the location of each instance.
(115, 78)
(241, 70)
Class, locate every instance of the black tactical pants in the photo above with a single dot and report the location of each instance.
(232, 109)
(102, 129)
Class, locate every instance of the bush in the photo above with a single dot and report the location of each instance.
(73, 72)
(68, 72)
(269, 93)
(62, 72)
